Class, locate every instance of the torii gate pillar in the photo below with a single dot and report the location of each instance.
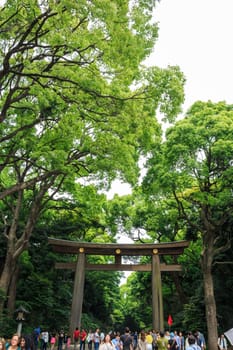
(77, 299)
(157, 298)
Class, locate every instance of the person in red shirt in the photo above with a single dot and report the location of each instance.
(76, 336)
(83, 336)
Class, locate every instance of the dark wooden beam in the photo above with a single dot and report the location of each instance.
(119, 267)
(146, 249)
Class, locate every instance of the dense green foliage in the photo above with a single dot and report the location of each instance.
(77, 105)
(77, 110)
(189, 179)
(46, 292)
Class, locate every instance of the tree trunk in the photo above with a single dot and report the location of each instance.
(7, 273)
(210, 305)
(15, 246)
(179, 289)
(12, 292)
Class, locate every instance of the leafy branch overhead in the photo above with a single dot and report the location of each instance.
(76, 104)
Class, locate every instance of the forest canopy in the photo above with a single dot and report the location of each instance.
(76, 103)
(78, 109)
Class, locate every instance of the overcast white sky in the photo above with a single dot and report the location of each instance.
(197, 35)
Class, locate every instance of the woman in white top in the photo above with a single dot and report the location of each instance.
(222, 342)
(142, 341)
(107, 344)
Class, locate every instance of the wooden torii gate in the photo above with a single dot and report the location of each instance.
(82, 249)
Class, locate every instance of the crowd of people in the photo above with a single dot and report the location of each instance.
(145, 340)
(99, 340)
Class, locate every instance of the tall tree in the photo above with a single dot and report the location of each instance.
(76, 103)
(194, 165)
(82, 218)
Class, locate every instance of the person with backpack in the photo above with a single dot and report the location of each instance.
(127, 340)
(192, 343)
(172, 343)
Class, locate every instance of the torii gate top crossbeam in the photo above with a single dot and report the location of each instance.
(149, 249)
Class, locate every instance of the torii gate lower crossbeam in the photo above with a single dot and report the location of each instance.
(82, 249)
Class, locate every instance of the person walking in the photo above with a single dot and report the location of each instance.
(149, 340)
(60, 339)
(36, 336)
(154, 336)
(96, 339)
(14, 343)
(192, 343)
(172, 343)
(83, 336)
(26, 342)
(162, 341)
(177, 339)
(53, 341)
(107, 344)
(76, 337)
(44, 336)
(181, 340)
(117, 341)
(135, 340)
(127, 340)
(68, 342)
(222, 342)
(2, 344)
(142, 341)
(200, 339)
(90, 339)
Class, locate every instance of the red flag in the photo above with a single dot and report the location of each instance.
(169, 320)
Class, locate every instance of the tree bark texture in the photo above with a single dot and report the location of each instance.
(210, 304)
(12, 292)
(5, 279)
